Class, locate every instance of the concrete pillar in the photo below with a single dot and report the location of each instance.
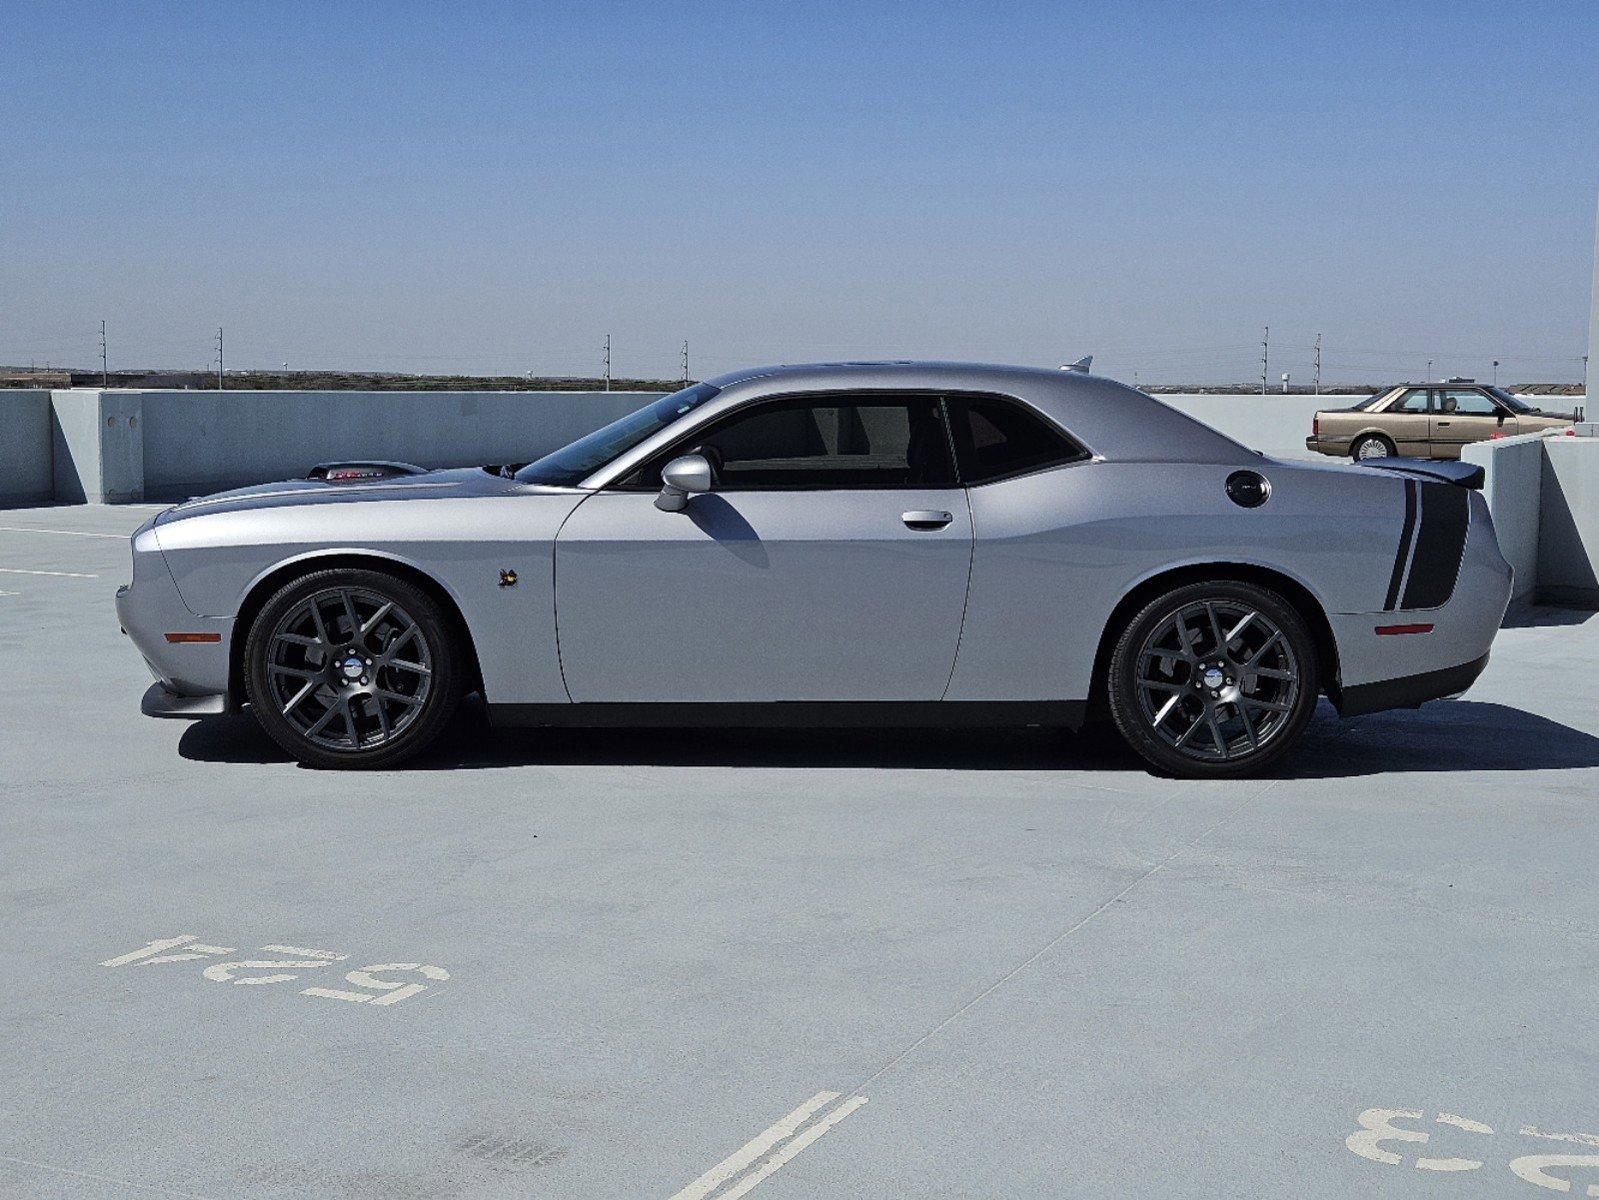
(1592, 410)
(97, 446)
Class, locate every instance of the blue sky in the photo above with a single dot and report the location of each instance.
(486, 187)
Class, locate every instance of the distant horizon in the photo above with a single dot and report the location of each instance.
(1330, 387)
(494, 188)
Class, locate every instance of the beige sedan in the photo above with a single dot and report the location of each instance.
(1427, 421)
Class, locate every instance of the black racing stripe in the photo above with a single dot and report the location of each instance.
(1439, 542)
(1404, 546)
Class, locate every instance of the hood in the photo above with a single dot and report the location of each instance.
(452, 483)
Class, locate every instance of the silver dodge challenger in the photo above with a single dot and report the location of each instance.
(877, 544)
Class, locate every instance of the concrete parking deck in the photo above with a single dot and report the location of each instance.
(665, 965)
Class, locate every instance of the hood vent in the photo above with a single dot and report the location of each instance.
(360, 471)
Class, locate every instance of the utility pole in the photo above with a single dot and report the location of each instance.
(220, 384)
(607, 362)
(1318, 364)
(1429, 372)
(685, 363)
(105, 375)
(1265, 357)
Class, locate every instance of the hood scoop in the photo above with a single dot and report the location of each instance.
(363, 471)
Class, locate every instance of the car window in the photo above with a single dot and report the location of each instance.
(1466, 402)
(996, 439)
(832, 442)
(575, 462)
(1413, 401)
(1510, 400)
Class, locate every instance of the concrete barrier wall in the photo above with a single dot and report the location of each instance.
(1568, 532)
(124, 445)
(25, 454)
(199, 442)
(1513, 486)
(1271, 424)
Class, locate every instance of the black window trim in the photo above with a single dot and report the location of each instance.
(1083, 454)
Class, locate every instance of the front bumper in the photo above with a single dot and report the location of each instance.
(161, 701)
(149, 609)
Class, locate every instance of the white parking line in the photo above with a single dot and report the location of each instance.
(120, 537)
(57, 574)
(751, 1152)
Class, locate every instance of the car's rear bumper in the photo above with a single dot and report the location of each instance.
(1410, 691)
(1338, 447)
(1401, 657)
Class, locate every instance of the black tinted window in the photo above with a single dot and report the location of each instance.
(999, 438)
(832, 442)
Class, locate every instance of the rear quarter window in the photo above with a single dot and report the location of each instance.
(998, 439)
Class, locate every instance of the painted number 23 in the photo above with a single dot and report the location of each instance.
(286, 965)
(1380, 1140)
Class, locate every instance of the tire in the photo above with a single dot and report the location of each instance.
(1198, 714)
(337, 698)
(1372, 445)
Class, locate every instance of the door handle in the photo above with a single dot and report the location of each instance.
(1441, 424)
(923, 518)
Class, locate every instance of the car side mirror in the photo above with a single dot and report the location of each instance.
(681, 478)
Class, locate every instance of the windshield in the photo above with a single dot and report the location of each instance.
(1516, 403)
(574, 463)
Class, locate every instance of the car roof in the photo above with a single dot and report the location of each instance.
(1113, 420)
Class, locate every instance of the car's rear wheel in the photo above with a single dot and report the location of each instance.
(351, 668)
(1213, 680)
(1372, 445)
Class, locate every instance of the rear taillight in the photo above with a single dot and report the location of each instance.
(1315, 425)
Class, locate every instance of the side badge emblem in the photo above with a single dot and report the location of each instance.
(507, 577)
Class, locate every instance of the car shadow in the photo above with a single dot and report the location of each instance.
(1446, 735)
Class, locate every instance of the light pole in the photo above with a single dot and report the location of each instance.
(1496, 372)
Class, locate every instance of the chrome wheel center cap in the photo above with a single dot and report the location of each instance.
(352, 668)
(1213, 678)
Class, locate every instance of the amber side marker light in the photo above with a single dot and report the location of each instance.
(193, 637)
(1390, 629)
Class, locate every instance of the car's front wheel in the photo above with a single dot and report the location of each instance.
(351, 668)
(1213, 680)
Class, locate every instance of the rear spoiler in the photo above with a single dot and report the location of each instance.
(1462, 474)
(362, 471)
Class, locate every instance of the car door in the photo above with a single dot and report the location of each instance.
(1407, 421)
(1464, 415)
(829, 562)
